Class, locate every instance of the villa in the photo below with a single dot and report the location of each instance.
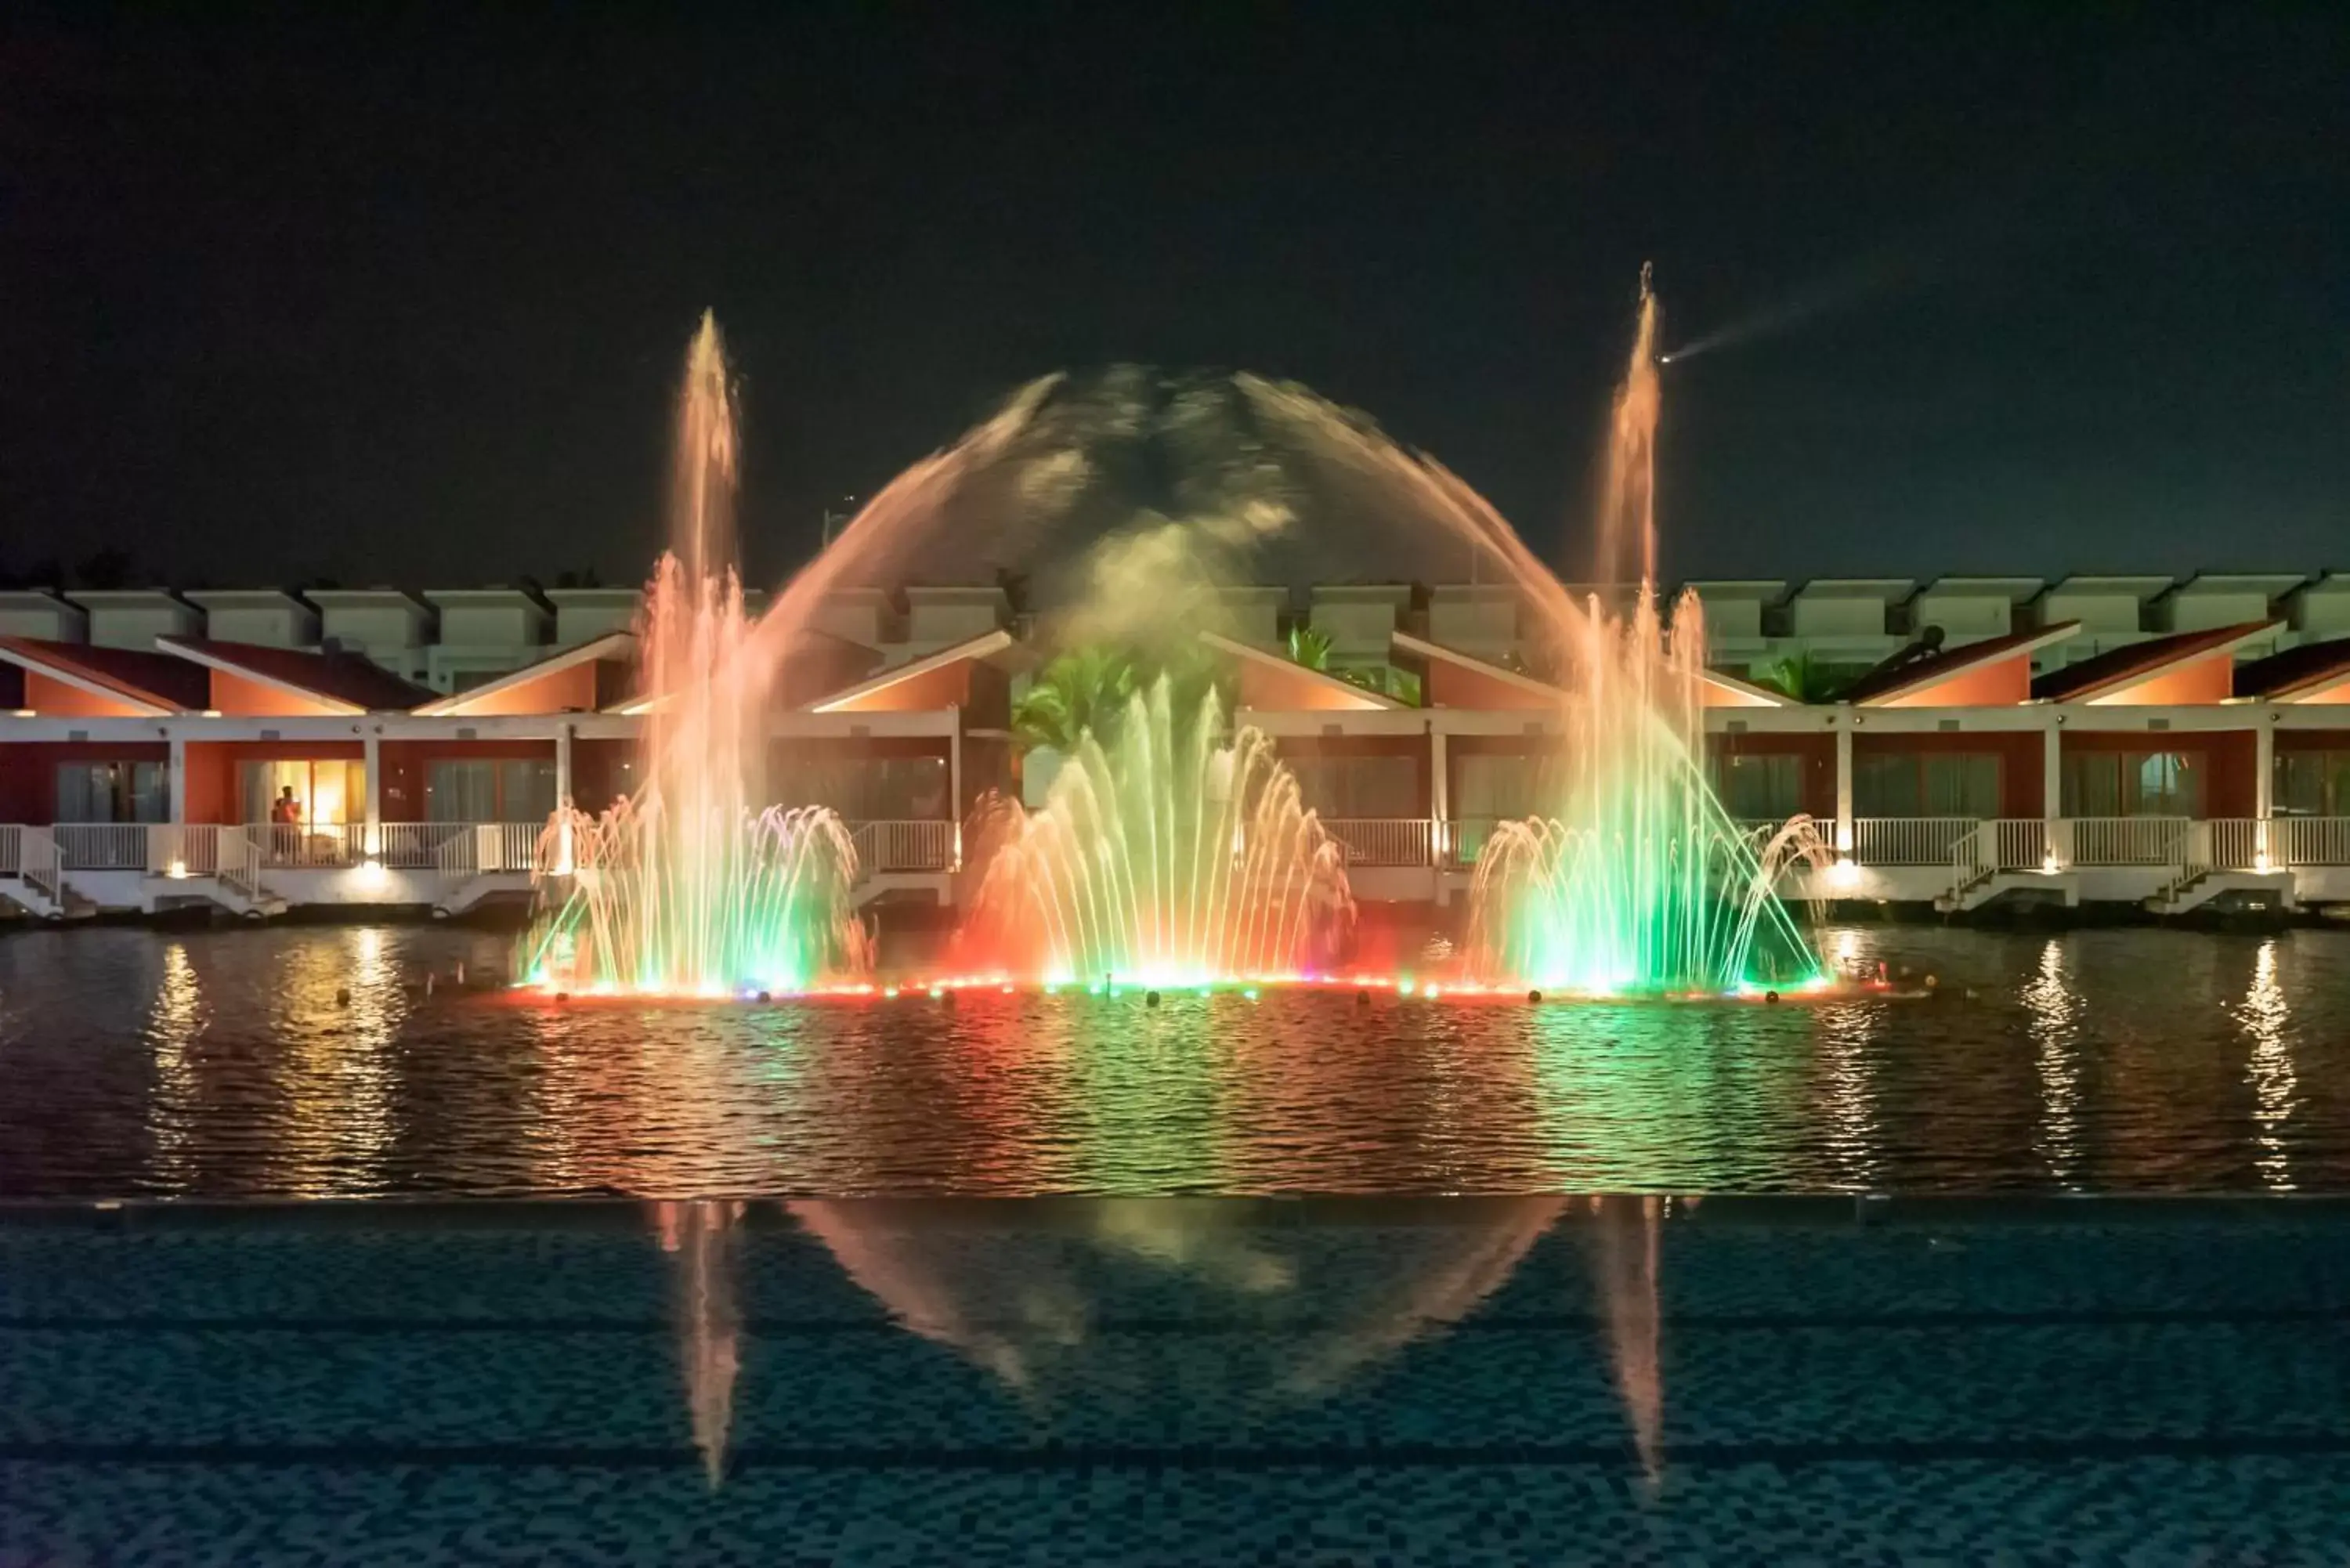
(1968, 742)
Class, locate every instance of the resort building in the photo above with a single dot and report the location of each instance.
(1962, 743)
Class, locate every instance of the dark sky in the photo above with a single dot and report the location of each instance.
(382, 298)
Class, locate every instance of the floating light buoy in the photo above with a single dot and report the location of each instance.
(1362, 999)
(764, 997)
(562, 996)
(1771, 996)
(1533, 996)
(1149, 999)
(343, 997)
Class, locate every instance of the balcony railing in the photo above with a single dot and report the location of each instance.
(101, 846)
(903, 846)
(2117, 841)
(2000, 844)
(2309, 841)
(1370, 841)
(1909, 840)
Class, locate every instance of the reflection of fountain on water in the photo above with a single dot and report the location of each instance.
(1627, 1236)
(1172, 856)
(696, 885)
(1038, 1308)
(702, 1236)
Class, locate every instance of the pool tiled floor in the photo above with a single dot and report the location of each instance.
(1485, 1381)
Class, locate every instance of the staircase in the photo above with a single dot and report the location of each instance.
(2005, 855)
(32, 879)
(486, 861)
(2224, 857)
(214, 864)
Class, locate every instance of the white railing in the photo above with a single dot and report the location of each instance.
(308, 846)
(413, 846)
(1908, 840)
(2224, 843)
(1382, 840)
(101, 846)
(2309, 841)
(239, 859)
(903, 845)
(479, 849)
(31, 855)
(1997, 844)
(181, 849)
(2124, 840)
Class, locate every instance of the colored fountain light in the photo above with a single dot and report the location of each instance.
(695, 885)
(1174, 855)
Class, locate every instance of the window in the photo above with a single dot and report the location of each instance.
(1497, 786)
(2134, 783)
(1367, 786)
(519, 789)
(113, 792)
(2312, 784)
(864, 789)
(1928, 783)
(1759, 786)
(326, 793)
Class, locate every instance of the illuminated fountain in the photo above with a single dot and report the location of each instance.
(1636, 880)
(696, 887)
(1173, 855)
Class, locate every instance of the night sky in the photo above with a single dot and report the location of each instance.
(370, 297)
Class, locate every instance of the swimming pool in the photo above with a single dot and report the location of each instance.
(1398, 1381)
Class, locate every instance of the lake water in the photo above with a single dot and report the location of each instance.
(220, 1063)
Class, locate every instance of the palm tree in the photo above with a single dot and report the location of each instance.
(1310, 646)
(1802, 677)
(1084, 689)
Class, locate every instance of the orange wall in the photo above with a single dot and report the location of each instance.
(46, 694)
(236, 695)
(947, 686)
(2211, 678)
(2326, 696)
(1272, 688)
(1452, 685)
(2004, 682)
(557, 691)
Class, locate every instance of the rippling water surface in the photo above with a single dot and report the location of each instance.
(223, 1064)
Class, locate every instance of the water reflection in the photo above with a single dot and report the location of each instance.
(1628, 1241)
(174, 1024)
(701, 1236)
(2053, 1011)
(294, 1061)
(1848, 1036)
(2266, 1019)
(1043, 1308)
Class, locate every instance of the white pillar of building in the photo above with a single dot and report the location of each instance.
(372, 754)
(2052, 771)
(179, 778)
(563, 766)
(954, 780)
(1440, 803)
(2264, 784)
(1843, 722)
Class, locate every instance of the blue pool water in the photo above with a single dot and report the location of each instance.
(1164, 1381)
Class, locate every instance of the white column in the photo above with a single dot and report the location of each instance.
(1440, 801)
(372, 754)
(2264, 784)
(563, 766)
(2051, 772)
(1843, 781)
(179, 770)
(954, 780)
